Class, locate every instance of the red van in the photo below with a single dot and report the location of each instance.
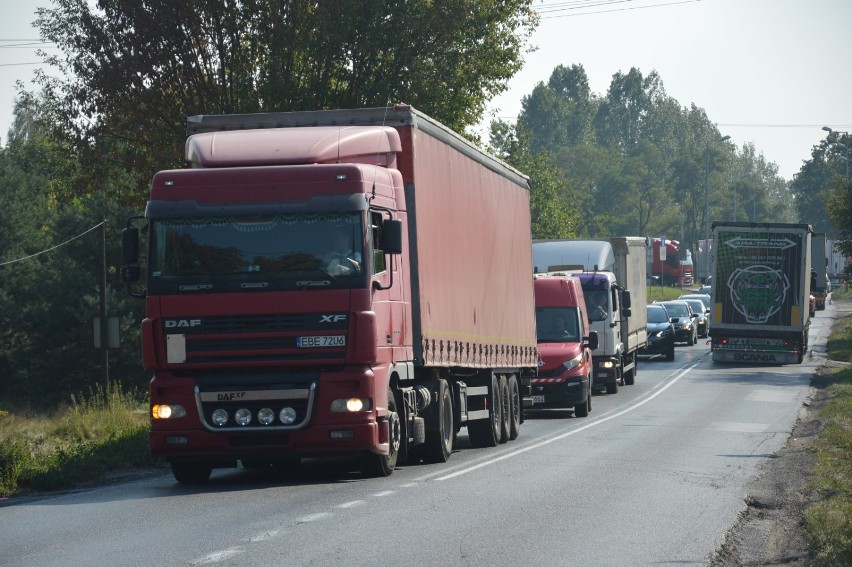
(565, 345)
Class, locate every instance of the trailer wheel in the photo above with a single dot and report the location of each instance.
(515, 407)
(191, 473)
(439, 444)
(383, 465)
(486, 432)
(503, 384)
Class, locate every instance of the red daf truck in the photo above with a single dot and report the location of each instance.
(344, 282)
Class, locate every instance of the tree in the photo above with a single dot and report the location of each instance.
(811, 186)
(135, 70)
(839, 206)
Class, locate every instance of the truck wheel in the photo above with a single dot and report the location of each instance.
(383, 465)
(505, 408)
(514, 407)
(486, 432)
(630, 377)
(612, 387)
(439, 444)
(191, 473)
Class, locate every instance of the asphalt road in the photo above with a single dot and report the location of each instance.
(655, 475)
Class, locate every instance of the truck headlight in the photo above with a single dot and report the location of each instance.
(243, 416)
(287, 415)
(220, 417)
(265, 416)
(351, 405)
(607, 364)
(167, 411)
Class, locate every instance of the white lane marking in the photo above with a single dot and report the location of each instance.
(771, 396)
(597, 422)
(384, 493)
(217, 556)
(351, 504)
(312, 517)
(265, 536)
(738, 427)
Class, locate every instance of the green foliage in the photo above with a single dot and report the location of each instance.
(94, 434)
(838, 201)
(828, 523)
(639, 163)
(133, 71)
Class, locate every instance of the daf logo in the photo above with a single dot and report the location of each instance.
(182, 323)
(332, 318)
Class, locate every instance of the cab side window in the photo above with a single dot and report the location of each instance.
(376, 218)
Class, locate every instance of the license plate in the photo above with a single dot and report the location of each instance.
(321, 341)
(538, 399)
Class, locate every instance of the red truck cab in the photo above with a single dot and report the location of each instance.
(565, 344)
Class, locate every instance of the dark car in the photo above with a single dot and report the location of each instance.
(661, 332)
(702, 322)
(683, 319)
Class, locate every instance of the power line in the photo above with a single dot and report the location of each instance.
(585, 4)
(19, 64)
(54, 247)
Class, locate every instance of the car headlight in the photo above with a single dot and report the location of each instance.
(573, 363)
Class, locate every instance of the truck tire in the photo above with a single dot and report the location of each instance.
(612, 387)
(383, 465)
(439, 444)
(505, 408)
(191, 473)
(514, 407)
(486, 432)
(630, 376)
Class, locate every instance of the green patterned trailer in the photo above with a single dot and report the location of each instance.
(761, 292)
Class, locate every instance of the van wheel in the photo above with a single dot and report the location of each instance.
(583, 409)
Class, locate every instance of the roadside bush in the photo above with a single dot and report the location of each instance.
(15, 457)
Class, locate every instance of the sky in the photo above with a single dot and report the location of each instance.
(768, 72)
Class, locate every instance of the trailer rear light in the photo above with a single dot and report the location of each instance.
(287, 415)
(352, 405)
(243, 416)
(166, 411)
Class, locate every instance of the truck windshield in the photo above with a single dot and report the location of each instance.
(257, 252)
(557, 325)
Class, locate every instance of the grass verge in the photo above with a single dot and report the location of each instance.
(828, 523)
(80, 443)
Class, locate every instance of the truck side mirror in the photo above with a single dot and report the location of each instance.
(392, 236)
(625, 298)
(592, 340)
(130, 244)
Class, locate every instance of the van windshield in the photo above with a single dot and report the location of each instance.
(557, 324)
